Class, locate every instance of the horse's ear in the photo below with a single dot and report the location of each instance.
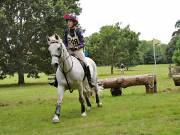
(56, 36)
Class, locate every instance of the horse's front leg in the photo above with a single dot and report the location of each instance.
(60, 92)
(82, 100)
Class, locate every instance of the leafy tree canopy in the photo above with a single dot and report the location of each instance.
(24, 27)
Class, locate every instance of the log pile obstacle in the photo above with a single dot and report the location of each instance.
(116, 84)
(176, 79)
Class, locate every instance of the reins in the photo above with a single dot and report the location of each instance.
(66, 72)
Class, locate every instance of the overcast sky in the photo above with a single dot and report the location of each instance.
(152, 18)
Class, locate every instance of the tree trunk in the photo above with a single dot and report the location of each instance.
(112, 62)
(112, 71)
(170, 70)
(20, 78)
(127, 68)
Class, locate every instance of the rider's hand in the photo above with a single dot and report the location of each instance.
(74, 49)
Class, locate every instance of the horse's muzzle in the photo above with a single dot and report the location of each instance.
(54, 61)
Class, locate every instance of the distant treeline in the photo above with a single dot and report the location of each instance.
(114, 45)
(24, 49)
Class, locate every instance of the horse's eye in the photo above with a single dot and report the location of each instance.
(58, 48)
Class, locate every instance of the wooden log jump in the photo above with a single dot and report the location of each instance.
(149, 81)
(176, 79)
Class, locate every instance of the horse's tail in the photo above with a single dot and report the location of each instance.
(95, 70)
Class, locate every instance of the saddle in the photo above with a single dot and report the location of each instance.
(86, 70)
(83, 64)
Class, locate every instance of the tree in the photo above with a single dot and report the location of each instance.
(92, 47)
(130, 42)
(24, 26)
(170, 49)
(143, 48)
(159, 52)
(176, 54)
(172, 44)
(113, 45)
(177, 26)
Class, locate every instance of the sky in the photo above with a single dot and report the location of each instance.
(152, 18)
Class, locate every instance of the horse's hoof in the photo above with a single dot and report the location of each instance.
(55, 119)
(99, 104)
(83, 114)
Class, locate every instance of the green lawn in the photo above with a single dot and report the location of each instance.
(28, 110)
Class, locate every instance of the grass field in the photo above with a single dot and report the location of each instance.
(28, 109)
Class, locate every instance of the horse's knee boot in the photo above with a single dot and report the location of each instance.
(87, 101)
(83, 108)
(58, 110)
(97, 98)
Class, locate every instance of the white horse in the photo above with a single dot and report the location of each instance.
(70, 70)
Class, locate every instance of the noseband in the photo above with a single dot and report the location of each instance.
(54, 55)
(58, 56)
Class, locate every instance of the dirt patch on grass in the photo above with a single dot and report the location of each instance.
(3, 104)
(168, 90)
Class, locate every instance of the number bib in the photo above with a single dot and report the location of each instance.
(73, 41)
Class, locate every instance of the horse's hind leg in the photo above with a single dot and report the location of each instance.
(99, 104)
(96, 88)
(87, 100)
(82, 101)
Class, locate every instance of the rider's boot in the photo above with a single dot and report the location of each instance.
(55, 83)
(88, 74)
(53, 77)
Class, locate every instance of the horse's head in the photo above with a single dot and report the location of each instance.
(55, 48)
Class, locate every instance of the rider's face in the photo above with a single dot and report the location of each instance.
(70, 24)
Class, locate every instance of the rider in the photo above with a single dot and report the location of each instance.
(74, 41)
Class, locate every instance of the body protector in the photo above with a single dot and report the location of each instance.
(73, 41)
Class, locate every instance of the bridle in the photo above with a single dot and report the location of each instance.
(54, 55)
(61, 68)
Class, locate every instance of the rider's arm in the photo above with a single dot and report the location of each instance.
(81, 38)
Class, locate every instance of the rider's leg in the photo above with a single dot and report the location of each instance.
(80, 54)
(88, 74)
